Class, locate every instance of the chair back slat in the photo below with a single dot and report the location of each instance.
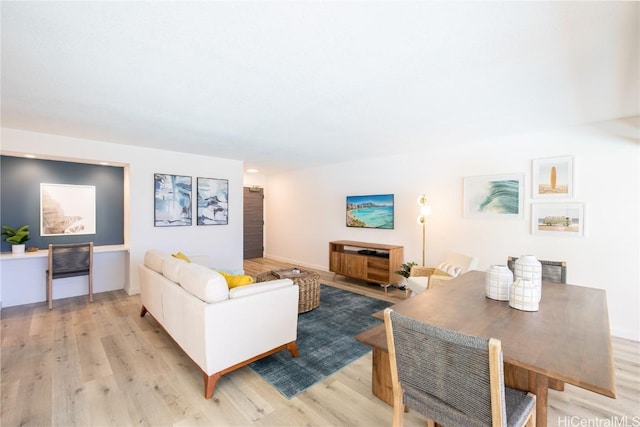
(552, 271)
(70, 259)
(450, 369)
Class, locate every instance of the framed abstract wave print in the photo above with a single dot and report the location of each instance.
(494, 196)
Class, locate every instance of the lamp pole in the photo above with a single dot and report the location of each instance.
(425, 211)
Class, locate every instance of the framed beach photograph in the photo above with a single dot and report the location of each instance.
(552, 178)
(566, 219)
(67, 209)
(172, 204)
(374, 211)
(494, 196)
(213, 201)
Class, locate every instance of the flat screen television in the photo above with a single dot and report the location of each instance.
(375, 211)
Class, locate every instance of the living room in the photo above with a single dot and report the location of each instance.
(305, 208)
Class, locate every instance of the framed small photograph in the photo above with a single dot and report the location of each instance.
(566, 219)
(494, 196)
(552, 178)
(213, 201)
(172, 205)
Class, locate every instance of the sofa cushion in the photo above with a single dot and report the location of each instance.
(171, 268)
(180, 255)
(206, 284)
(154, 259)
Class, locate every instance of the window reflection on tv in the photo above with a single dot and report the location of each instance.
(374, 211)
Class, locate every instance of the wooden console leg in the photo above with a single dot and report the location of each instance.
(210, 384)
(293, 348)
(143, 311)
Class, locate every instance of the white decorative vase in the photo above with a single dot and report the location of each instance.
(17, 249)
(524, 295)
(528, 267)
(498, 280)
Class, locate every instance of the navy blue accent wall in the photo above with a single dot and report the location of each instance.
(20, 180)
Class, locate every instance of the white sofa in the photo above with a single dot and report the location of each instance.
(219, 329)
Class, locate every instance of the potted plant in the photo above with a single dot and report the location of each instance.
(16, 237)
(405, 271)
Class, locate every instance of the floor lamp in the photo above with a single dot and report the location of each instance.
(425, 211)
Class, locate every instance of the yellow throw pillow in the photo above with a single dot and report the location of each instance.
(181, 256)
(235, 280)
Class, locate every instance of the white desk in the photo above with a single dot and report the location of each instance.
(22, 276)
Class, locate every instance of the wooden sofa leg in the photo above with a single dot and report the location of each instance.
(293, 348)
(210, 384)
(143, 311)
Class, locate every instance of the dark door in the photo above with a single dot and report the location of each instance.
(253, 222)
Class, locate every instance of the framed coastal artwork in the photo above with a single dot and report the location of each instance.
(557, 219)
(67, 209)
(494, 196)
(374, 211)
(552, 178)
(172, 200)
(213, 201)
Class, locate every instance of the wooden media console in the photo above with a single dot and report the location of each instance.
(373, 262)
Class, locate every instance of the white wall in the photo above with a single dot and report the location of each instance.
(222, 242)
(306, 209)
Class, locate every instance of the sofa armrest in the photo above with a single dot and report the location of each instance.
(256, 288)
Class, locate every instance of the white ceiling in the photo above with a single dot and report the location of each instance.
(285, 85)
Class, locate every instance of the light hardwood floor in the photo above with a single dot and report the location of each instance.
(84, 364)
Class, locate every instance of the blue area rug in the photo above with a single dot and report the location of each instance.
(326, 341)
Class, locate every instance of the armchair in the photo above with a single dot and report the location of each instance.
(453, 265)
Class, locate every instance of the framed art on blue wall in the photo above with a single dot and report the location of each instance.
(172, 204)
(67, 209)
(213, 201)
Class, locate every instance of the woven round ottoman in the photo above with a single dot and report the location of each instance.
(308, 287)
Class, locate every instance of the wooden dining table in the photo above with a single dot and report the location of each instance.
(566, 341)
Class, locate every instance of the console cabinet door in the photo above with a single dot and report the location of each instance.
(355, 266)
(336, 262)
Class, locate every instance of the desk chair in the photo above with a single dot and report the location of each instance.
(69, 260)
(451, 378)
(552, 271)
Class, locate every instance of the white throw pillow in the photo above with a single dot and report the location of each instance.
(204, 283)
(452, 270)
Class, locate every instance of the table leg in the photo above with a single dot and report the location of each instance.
(539, 385)
(381, 385)
(523, 379)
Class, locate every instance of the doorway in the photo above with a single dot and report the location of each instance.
(253, 222)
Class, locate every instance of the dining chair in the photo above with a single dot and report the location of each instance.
(552, 271)
(69, 260)
(451, 378)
